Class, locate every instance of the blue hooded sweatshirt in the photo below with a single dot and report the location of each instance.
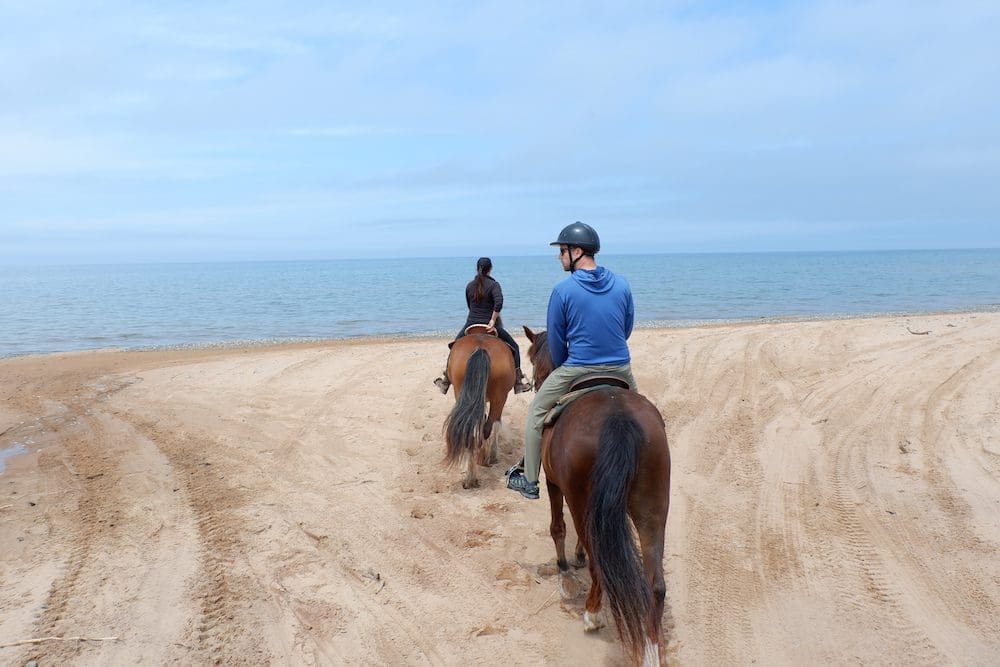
(590, 318)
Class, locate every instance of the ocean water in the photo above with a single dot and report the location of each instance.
(54, 309)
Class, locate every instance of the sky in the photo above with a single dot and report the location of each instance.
(191, 131)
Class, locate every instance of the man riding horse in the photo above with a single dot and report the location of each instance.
(590, 317)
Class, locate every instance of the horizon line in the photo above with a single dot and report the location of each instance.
(4, 265)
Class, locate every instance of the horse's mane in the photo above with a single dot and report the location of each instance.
(539, 355)
(541, 341)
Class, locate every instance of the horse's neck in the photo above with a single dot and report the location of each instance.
(544, 370)
(547, 365)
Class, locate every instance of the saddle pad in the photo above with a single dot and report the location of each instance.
(552, 415)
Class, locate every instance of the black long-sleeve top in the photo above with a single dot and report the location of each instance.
(480, 312)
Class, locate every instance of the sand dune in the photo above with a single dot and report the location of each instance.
(836, 499)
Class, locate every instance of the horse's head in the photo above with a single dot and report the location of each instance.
(538, 353)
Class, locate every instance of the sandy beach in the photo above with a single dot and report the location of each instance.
(835, 499)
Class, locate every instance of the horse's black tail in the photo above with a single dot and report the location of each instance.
(465, 423)
(613, 550)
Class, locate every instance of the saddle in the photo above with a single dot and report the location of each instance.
(582, 386)
(599, 380)
(477, 329)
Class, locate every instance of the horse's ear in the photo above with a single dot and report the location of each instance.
(529, 333)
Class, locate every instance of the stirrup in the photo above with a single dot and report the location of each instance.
(521, 383)
(443, 384)
(517, 467)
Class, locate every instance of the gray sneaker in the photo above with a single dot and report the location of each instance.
(517, 467)
(518, 482)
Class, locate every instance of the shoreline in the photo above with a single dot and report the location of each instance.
(651, 325)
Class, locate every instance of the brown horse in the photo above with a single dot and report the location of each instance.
(607, 455)
(481, 369)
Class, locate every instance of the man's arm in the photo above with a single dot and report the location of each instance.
(556, 326)
(629, 315)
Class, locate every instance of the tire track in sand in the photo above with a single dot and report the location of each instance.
(225, 631)
(103, 583)
(869, 587)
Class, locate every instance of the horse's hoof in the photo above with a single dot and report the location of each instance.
(579, 562)
(592, 622)
(474, 484)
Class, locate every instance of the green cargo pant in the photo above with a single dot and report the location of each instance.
(555, 386)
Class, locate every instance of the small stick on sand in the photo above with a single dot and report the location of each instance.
(546, 603)
(917, 333)
(59, 639)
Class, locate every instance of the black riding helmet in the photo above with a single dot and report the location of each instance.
(581, 235)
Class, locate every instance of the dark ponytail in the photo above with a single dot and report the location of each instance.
(483, 266)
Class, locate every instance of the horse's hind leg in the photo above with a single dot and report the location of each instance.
(581, 555)
(493, 427)
(592, 617)
(470, 481)
(651, 535)
(486, 452)
(493, 454)
(557, 528)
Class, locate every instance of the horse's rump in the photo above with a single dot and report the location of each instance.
(608, 456)
(501, 360)
(481, 370)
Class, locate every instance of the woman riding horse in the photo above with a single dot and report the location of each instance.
(484, 298)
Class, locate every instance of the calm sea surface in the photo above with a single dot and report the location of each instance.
(55, 309)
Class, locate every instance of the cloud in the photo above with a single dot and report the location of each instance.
(344, 131)
(724, 120)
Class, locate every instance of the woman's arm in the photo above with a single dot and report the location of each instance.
(497, 295)
(493, 320)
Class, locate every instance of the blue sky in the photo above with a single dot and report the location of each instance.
(234, 131)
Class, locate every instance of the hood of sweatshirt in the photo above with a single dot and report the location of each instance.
(596, 280)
